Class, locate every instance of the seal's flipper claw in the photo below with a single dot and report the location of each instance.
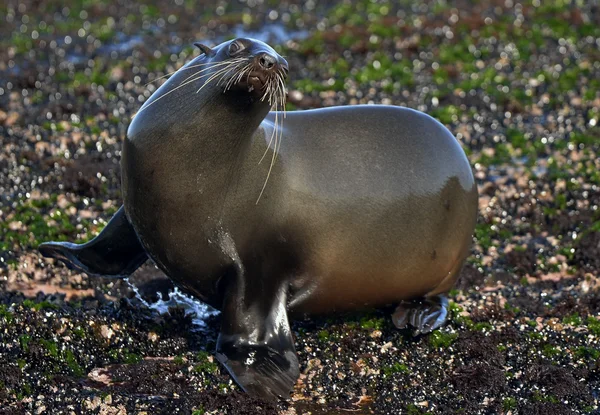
(434, 320)
(255, 343)
(260, 370)
(423, 315)
(115, 252)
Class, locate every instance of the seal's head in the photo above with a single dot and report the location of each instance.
(233, 84)
(244, 66)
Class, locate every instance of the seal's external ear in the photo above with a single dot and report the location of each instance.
(205, 49)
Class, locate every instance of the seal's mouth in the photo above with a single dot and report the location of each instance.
(257, 80)
(265, 85)
(260, 80)
(262, 76)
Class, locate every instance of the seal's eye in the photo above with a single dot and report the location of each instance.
(235, 48)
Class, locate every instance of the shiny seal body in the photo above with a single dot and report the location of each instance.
(365, 206)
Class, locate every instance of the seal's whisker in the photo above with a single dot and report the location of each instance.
(266, 91)
(282, 97)
(283, 92)
(229, 82)
(185, 69)
(278, 132)
(248, 77)
(213, 77)
(243, 66)
(262, 98)
(272, 136)
(171, 91)
(236, 67)
(276, 88)
(278, 92)
(247, 69)
(187, 81)
(270, 91)
(244, 71)
(278, 140)
(272, 158)
(218, 64)
(234, 78)
(281, 80)
(226, 74)
(268, 88)
(171, 73)
(222, 71)
(274, 108)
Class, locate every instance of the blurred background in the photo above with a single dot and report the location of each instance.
(518, 84)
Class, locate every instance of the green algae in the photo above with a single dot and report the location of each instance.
(509, 404)
(394, 368)
(124, 356)
(71, 361)
(372, 323)
(573, 319)
(37, 306)
(204, 365)
(585, 353)
(6, 314)
(550, 351)
(323, 335)
(439, 339)
(51, 347)
(24, 341)
(593, 325)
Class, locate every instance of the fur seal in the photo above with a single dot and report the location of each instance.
(260, 213)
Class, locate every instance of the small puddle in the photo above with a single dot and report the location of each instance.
(273, 33)
(192, 307)
(122, 44)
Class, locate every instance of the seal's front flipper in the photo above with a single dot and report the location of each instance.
(115, 252)
(423, 315)
(256, 345)
(259, 369)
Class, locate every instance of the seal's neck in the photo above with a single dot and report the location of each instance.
(225, 123)
(219, 123)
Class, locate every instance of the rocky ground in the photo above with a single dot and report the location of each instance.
(517, 83)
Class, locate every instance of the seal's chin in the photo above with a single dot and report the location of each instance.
(254, 82)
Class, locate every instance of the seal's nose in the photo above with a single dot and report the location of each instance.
(266, 61)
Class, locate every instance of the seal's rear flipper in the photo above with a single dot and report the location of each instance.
(115, 252)
(256, 345)
(423, 315)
